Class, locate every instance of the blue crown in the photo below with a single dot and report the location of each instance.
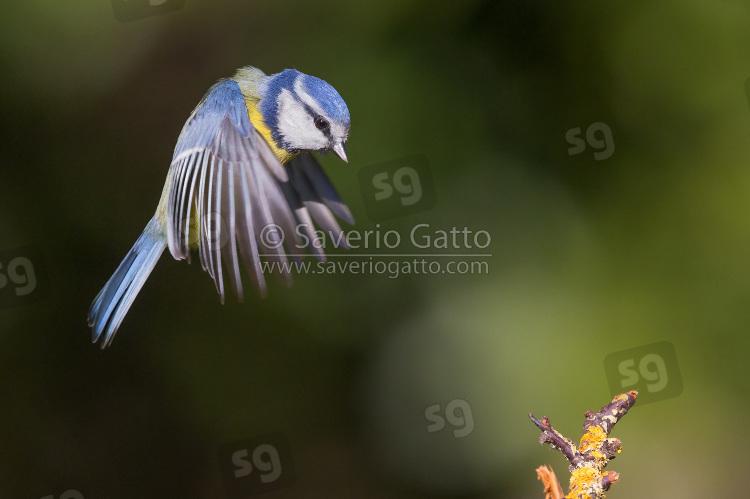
(328, 98)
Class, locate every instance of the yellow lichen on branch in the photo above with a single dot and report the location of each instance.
(592, 440)
(582, 481)
(593, 453)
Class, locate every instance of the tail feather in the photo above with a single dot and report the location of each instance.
(114, 300)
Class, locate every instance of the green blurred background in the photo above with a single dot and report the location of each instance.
(588, 257)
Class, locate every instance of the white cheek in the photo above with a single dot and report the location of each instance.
(339, 132)
(296, 126)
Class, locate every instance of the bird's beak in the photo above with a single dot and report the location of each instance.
(340, 151)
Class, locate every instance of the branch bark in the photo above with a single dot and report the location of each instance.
(592, 454)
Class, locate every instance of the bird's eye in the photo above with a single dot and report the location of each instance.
(321, 123)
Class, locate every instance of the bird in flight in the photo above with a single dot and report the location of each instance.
(242, 184)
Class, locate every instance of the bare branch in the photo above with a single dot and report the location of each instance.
(556, 440)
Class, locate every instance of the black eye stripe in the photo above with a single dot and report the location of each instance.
(315, 116)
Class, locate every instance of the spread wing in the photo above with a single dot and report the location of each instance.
(229, 194)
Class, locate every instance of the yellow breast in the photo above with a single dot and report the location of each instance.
(257, 120)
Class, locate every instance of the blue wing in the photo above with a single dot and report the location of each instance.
(225, 176)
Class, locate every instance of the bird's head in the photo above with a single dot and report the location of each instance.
(304, 113)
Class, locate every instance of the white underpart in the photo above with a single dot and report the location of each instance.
(296, 125)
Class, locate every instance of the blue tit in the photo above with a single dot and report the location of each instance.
(242, 184)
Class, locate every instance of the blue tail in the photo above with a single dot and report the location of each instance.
(114, 300)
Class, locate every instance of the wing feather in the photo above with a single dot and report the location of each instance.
(230, 248)
(322, 186)
(187, 203)
(247, 239)
(319, 212)
(217, 233)
(175, 174)
(205, 210)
